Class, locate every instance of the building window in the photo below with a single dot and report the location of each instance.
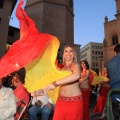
(11, 33)
(96, 57)
(101, 52)
(114, 39)
(96, 64)
(1, 3)
(96, 52)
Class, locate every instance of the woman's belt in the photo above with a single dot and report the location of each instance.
(74, 98)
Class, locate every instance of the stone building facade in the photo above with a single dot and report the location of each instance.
(112, 35)
(55, 17)
(6, 8)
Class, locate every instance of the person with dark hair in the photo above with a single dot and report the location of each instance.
(113, 67)
(20, 91)
(7, 103)
(69, 105)
(85, 88)
(22, 73)
(7, 81)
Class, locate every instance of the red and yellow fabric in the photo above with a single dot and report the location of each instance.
(42, 69)
(30, 45)
(36, 52)
(94, 79)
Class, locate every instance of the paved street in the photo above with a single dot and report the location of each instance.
(94, 116)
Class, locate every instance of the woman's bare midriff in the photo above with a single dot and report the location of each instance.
(70, 90)
(105, 85)
(84, 85)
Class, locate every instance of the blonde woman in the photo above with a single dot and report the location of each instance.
(69, 105)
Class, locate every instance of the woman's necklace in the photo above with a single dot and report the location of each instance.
(68, 66)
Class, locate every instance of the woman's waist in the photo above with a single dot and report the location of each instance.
(70, 98)
(86, 89)
(66, 91)
(85, 82)
(85, 86)
(106, 85)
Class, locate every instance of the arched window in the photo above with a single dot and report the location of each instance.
(114, 39)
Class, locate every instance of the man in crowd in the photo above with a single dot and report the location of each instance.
(113, 67)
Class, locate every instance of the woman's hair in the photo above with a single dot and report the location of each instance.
(19, 77)
(86, 64)
(74, 54)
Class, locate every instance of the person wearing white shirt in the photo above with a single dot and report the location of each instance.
(7, 103)
(41, 104)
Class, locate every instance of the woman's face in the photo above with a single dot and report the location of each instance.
(83, 65)
(105, 70)
(68, 54)
(16, 81)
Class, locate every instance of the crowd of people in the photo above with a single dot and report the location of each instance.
(74, 92)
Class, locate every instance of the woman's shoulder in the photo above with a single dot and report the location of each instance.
(75, 64)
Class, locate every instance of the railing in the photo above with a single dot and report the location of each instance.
(109, 112)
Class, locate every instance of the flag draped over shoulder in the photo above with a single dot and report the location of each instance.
(36, 52)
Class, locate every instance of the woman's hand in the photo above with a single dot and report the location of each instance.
(50, 87)
(49, 105)
(33, 94)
